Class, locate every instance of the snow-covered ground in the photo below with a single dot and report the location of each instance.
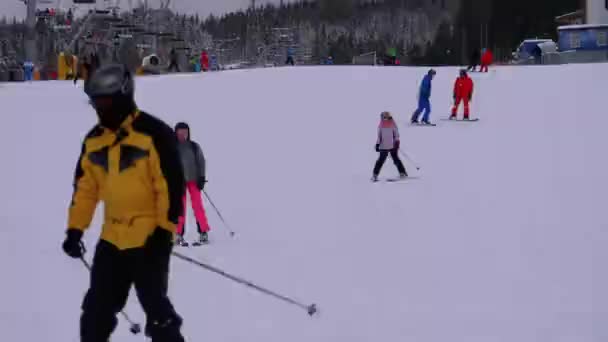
(502, 238)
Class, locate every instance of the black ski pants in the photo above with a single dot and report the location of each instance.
(174, 66)
(112, 274)
(382, 158)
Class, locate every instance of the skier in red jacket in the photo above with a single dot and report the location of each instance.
(463, 91)
(204, 61)
(486, 60)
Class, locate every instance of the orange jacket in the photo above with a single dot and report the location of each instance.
(463, 87)
(487, 58)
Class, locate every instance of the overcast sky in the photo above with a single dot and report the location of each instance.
(16, 8)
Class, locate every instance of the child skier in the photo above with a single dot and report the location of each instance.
(388, 143)
(424, 99)
(463, 91)
(193, 162)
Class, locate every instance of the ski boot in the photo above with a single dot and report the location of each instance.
(403, 176)
(203, 239)
(414, 121)
(374, 178)
(179, 241)
(452, 117)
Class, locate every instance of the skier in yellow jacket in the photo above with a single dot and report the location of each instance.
(130, 162)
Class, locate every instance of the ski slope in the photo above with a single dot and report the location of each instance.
(501, 238)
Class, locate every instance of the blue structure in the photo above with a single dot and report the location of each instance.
(583, 37)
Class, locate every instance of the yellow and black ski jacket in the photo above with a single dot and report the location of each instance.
(137, 173)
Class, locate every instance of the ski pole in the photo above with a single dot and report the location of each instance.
(310, 309)
(410, 159)
(218, 213)
(135, 327)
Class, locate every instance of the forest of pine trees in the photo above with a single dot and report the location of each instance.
(421, 31)
(433, 32)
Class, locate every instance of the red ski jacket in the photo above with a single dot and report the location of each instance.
(463, 87)
(487, 58)
(204, 60)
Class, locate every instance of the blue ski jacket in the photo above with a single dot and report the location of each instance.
(425, 87)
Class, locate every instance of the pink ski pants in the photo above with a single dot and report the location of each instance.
(197, 206)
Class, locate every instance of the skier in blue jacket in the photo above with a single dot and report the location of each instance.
(424, 99)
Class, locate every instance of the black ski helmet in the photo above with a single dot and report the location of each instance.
(463, 72)
(110, 80)
(111, 90)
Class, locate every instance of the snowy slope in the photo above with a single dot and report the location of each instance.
(503, 237)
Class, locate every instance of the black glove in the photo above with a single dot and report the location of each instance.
(160, 242)
(377, 147)
(201, 183)
(73, 246)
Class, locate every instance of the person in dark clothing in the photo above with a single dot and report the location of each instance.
(475, 60)
(95, 62)
(129, 160)
(173, 61)
(84, 70)
(194, 165)
(537, 53)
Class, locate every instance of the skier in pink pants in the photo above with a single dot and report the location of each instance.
(193, 162)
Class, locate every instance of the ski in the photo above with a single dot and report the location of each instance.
(198, 244)
(423, 124)
(395, 180)
(460, 120)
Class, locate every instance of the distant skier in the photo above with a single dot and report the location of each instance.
(475, 59)
(486, 60)
(290, 56)
(388, 143)
(129, 160)
(173, 65)
(424, 99)
(83, 70)
(193, 162)
(463, 92)
(205, 61)
(28, 68)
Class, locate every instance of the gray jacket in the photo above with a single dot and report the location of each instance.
(193, 161)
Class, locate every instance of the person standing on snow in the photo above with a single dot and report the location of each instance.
(486, 60)
(130, 162)
(463, 92)
(474, 62)
(290, 56)
(173, 63)
(193, 162)
(204, 61)
(28, 68)
(424, 99)
(388, 143)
